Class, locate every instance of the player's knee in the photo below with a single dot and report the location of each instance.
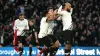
(68, 46)
(53, 51)
(20, 45)
(30, 45)
(48, 42)
(37, 46)
(20, 49)
(56, 44)
(30, 48)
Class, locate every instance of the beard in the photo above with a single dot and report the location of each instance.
(68, 10)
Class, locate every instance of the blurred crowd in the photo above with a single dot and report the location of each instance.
(86, 18)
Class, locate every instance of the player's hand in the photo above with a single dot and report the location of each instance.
(13, 42)
(39, 55)
(25, 29)
(28, 39)
(37, 41)
(55, 11)
(16, 29)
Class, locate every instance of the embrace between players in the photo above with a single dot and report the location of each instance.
(46, 36)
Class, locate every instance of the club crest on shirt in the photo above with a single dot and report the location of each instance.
(33, 29)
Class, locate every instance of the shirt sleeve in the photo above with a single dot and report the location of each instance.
(43, 28)
(60, 10)
(71, 10)
(35, 29)
(59, 18)
(27, 26)
(15, 25)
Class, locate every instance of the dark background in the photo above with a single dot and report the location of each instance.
(86, 18)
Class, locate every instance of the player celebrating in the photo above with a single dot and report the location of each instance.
(66, 18)
(46, 36)
(21, 25)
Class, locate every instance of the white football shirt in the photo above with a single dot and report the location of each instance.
(66, 18)
(45, 27)
(20, 25)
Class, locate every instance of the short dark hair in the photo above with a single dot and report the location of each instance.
(21, 14)
(63, 4)
(32, 20)
(46, 11)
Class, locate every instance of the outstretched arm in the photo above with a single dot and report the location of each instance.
(60, 10)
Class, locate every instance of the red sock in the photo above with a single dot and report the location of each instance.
(15, 47)
(43, 50)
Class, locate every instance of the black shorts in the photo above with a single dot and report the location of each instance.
(22, 39)
(33, 42)
(67, 36)
(48, 40)
(52, 37)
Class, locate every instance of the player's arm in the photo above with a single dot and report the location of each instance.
(53, 16)
(58, 17)
(30, 36)
(58, 13)
(60, 10)
(50, 17)
(27, 26)
(43, 29)
(71, 10)
(35, 33)
(36, 36)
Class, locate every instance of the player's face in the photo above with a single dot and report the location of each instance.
(21, 17)
(55, 11)
(68, 6)
(31, 23)
(50, 11)
(50, 14)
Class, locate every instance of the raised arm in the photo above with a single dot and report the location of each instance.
(60, 10)
(71, 10)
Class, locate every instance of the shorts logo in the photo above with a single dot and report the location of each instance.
(67, 53)
(33, 29)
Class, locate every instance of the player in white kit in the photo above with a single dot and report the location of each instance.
(46, 33)
(65, 12)
(21, 25)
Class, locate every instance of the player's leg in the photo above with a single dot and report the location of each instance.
(32, 43)
(67, 36)
(45, 53)
(30, 49)
(20, 45)
(44, 50)
(38, 47)
(20, 49)
(67, 49)
(53, 47)
(51, 43)
(42, 41)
